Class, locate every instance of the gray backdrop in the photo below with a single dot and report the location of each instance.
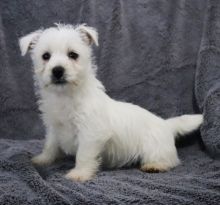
(163, 55)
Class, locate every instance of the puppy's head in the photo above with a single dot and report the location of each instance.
(61, 55)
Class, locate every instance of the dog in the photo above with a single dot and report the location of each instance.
(83, 121)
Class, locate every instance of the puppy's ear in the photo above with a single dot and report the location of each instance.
(88, 34)
(28, 42)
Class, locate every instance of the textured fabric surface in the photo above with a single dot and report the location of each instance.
(196, 181)
(161, 55)
(207, 86)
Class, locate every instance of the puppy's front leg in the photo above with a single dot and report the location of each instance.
(49, 153)
(87, 161)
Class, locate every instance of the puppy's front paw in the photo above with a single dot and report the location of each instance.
(41, 160)
(79, 175)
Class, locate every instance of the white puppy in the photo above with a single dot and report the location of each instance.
(82, 120)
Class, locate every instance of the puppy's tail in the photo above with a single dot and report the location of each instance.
(184, 124)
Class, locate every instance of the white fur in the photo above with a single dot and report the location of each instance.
(82, 120)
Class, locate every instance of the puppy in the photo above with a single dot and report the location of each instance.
(82, 120)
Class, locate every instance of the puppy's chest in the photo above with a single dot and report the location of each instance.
(65, 119)
(67, 135)
(63, 112)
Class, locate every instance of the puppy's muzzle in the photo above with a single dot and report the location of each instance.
(58, 75)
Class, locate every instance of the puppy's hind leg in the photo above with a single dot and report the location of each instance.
(159, 157)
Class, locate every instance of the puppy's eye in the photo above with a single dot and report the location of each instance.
(73, 55)
(46, 56)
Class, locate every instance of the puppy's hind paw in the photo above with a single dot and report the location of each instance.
(78, 175)
(154, 168)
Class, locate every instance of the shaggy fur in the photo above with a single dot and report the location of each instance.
(82, 120)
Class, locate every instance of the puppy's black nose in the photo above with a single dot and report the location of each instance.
(58, 72)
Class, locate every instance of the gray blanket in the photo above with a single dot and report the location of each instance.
(161, 55)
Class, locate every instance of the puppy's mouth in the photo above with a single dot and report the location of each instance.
(62, 82)
(59, 82)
